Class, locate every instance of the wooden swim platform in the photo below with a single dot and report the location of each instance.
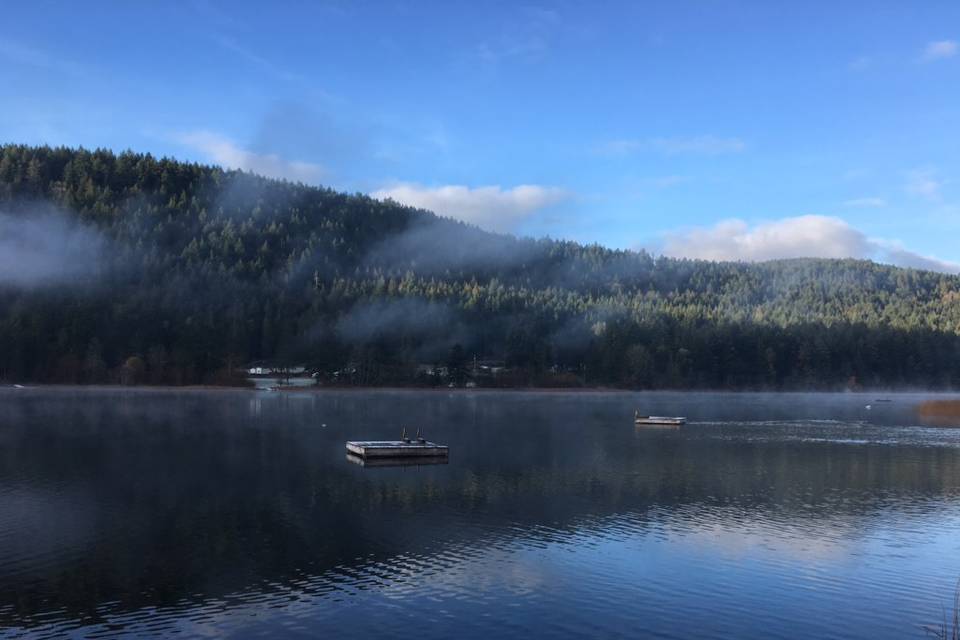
(368, 449)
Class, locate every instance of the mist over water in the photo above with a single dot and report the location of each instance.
(144, 513)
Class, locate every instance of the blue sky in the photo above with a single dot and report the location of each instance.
(709, 128)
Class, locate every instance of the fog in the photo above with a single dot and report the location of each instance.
(435, 245)
(431, 326)
(45, 247)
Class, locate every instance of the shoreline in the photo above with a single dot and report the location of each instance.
(461, 390)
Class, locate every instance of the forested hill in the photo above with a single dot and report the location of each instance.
(150, 270)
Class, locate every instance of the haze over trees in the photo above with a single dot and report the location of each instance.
(128, 268)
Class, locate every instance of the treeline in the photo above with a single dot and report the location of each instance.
(128, 268)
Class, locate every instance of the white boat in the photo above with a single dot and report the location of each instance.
(672, 421)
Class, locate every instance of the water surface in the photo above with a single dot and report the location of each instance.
(237, 514)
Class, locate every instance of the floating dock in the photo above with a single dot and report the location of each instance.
(368, 449)
(660, 421)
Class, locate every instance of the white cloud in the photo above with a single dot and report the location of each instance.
(225, 152)
(19, 54)
(232, 45)
(799, 237)
(924, 183)
(708, 145)
(666, 182)
(895, 254)
(865, 203)
(489, 207)
(621, 147)
(529, 49)
(940, 50)
(861, 63)
(804, 236)
(526, 36)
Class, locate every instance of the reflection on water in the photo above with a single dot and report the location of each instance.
(236, 513)
(940, 412)
(417, 461)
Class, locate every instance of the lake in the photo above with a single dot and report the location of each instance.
(237, 514)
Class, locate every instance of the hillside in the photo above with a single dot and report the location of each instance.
(156, 271)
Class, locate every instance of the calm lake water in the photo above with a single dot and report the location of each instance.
(237, 514)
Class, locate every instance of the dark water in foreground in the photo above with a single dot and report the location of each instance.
(236, 514)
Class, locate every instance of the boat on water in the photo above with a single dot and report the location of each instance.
(666, 421)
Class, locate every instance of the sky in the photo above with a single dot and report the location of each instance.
(716, 129)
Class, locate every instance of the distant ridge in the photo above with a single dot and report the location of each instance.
(125, 267)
